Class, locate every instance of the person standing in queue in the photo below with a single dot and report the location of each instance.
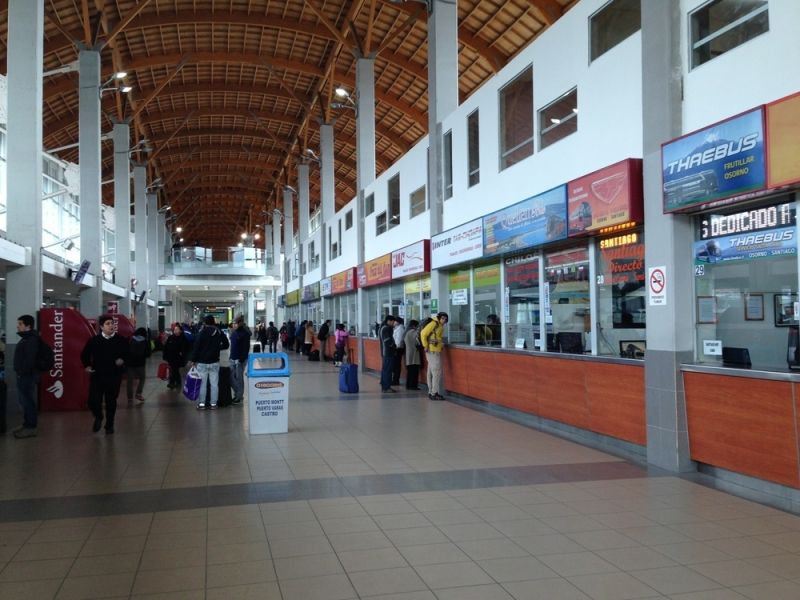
(413, 358)
(176, 352)
(432, 337)
(240, 350)
(388, 350)
(205, 356)
(27, 376)
(398, 333)
(104, 358)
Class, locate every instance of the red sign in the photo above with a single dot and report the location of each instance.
(346, 281)
(375, 272)
(66, 385)
(112, 307)
(607, 197)
(123, 325)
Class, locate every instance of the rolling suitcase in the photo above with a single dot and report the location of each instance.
(348, 379)
(256, 348)
(225, 396)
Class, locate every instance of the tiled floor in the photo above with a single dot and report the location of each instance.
(368, 496)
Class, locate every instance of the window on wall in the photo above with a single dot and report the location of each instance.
(417, 201)
(473, 147)
(369, 205)
(486, 299)
(522, 287)
(394, 201)
(380, 223)
(459, 291)
(613, 23)
(722, 25)
(348, 219)
(516, 119)
(747, 290)
(331, 251)
(567, 277)
(448, 165)
(621, 296)
(558, 119)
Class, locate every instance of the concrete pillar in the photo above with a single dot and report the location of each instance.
(365, 121)
(288, 229)
(24, 160)
(140, 238)
(250, 317)
(442, 100)
(327, 178)
(302, 202)
(122, 213)
(152, 258)
(91, 299)
(276, 241)
(668, 242)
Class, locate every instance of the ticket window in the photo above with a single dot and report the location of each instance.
(567, 276)
(522, 287)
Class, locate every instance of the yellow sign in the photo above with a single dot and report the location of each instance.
(418, 285)
(293, 298)
(783, 139)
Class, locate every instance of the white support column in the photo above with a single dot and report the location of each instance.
(302, 202)
(152, 259)
(140, 238)
(442, 100)
(24, 159)
(327, 179)
(288, 230)
(365, 175)
(122, 213)
(276, 241)
(91, 299)
(250, 317)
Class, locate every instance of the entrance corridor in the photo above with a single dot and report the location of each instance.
(384, 496)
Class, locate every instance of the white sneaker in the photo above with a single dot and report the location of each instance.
(201, 406)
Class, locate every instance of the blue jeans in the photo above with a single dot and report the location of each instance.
(386, 371)
(209, 372)
(26, 396)
(237, 379)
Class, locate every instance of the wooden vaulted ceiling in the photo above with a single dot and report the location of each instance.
(230, 93)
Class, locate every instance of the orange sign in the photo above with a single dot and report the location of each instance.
(783, 141)
(376, 271)
(344, 282)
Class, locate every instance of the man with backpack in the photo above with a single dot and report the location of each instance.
(30, 358)
(138, 354)
(205, 356)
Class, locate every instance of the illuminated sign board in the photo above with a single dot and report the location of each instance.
(344, 282)
(605, 198)
(757, 233)
(376, 271)
(311, 292)
(325, 287)
(293, 298)
(717, 162)
(529, 223)
(460, 244)
(411, 260)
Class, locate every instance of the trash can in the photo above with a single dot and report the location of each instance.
(268, 392)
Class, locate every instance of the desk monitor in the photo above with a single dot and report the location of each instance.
(736, 357)
(632, 348)
(570, 342)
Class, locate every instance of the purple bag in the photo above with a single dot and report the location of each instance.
(191, 385)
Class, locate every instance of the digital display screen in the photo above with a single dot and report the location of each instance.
(747, 221)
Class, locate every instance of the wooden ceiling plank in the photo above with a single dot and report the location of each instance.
(125, 22)
(410, 21)
(370, 28)
(550, 9)
(338, 35)
(86, 22)
(153, 155)
(158, 89)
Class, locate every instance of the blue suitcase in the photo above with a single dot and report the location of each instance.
(348, 379)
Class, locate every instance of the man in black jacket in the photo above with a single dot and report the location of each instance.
(27, 375)
(104, 358)
(240, 350)
(205, 356)
(322, 336)
(388, 350)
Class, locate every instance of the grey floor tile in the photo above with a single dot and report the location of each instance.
(496, 548)
(328, 587)
(447, 575)
(612, 586)
(431, 554)
(478, 592)
(516, 569)
(313, 565)
(371, 560)
(545, 589)
(233, 574)
(675, 580)
(579, 563)
(386, 581)
(256, 591)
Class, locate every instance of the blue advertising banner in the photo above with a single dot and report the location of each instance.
(717, 162)
(529, 223)
(758, 233)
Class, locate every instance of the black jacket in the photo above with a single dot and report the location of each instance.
(324, 330)
(25, 353)
(207, 345)
(139, 351)
(176, 349)
(101, 354)
(388, 346)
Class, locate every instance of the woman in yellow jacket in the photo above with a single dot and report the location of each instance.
(432, 338)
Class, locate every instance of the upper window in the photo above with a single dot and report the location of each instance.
(516, 119)
(369, 205)
(417, 201)
(722, 25)
(380, 223)
(613, 23)
(348, 219)
(394, 201)
(448, 165)
(558, 119)
(473, 156)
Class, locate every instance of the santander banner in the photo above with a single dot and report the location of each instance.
(66, 385)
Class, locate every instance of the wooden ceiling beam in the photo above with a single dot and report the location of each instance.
(158, 89)
(119, 27)
(175, 131)
(550, 10)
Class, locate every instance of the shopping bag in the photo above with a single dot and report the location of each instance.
(191, 385)
(163, 371)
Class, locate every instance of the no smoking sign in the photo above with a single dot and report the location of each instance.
(657, 286)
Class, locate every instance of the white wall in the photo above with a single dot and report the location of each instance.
(609, 118)
(759, 71)
(349, 255)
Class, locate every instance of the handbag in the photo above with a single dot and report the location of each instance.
(191, 385)
(163, 371)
